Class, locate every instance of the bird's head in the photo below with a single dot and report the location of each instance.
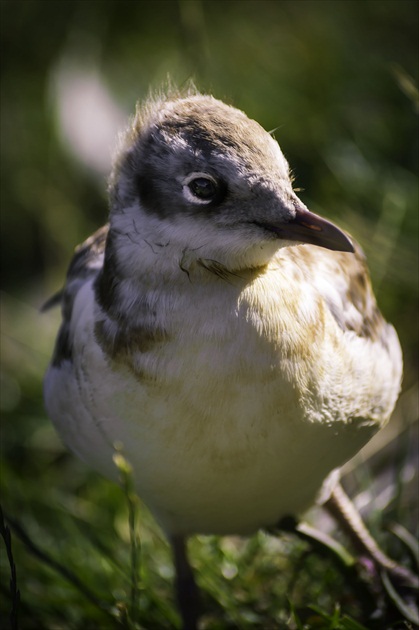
(201, 176)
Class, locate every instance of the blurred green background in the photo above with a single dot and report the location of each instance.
(338, 80)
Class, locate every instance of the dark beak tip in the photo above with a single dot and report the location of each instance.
(345, 245)
(315, 230)
(351, 249)
(310, 229)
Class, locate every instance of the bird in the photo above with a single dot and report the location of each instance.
(223, 334)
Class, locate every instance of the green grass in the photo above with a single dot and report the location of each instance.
(72, 544)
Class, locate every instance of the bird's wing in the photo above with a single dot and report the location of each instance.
(357, 309)
(343, 281)
(361, 355)
(88, 257)
(85, 264)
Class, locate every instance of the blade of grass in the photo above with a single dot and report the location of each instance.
(295, 618)
(407, 538)
(125, 471)
(53, 564)
(311, 533)
(409, 611)
(336, 621)
(14, 591)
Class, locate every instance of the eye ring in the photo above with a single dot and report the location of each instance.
(200, 188)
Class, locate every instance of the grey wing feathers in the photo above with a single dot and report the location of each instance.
(86, 263)
(88, 257)
(53, 301)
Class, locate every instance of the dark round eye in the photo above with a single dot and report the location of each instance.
(203, 188)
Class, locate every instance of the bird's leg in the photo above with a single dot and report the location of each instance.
(343, 510)
(187, 592)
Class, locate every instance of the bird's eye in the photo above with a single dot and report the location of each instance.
(200, 188)
(203, 188)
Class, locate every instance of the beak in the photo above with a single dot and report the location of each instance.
(307, 227)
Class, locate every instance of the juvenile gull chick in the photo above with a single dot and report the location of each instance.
(225, 335)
